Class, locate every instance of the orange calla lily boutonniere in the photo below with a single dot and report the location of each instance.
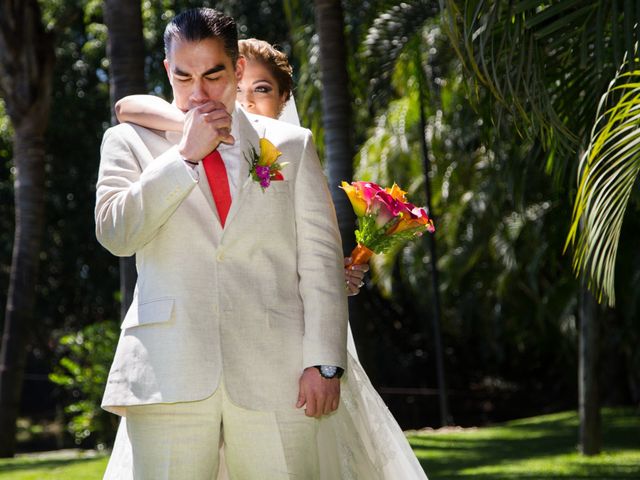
(385, 218)
(264, 168)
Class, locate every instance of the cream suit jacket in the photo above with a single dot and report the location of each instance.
(255, 302)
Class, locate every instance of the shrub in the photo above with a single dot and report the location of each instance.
(83, 371)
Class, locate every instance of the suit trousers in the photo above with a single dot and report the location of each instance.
(181, 441)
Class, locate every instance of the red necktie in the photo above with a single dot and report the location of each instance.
(218, 182)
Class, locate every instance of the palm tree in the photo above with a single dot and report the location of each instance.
(26, 69)
(607, 174)
(125, 50)
(336, 111)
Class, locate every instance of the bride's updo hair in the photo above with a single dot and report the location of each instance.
(276, 61)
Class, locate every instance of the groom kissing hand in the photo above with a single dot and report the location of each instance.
(239, 316)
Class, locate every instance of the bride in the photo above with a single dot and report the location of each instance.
(360, 440)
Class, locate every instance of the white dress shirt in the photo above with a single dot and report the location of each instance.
(232, 158)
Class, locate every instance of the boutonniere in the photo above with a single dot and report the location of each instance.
(264, 168)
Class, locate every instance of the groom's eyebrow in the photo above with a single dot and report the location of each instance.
(216, 69)
(177, 71)
(211, 71)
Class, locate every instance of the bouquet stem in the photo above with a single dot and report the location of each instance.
(361, 255)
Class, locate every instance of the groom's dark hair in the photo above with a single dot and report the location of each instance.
(202, 23)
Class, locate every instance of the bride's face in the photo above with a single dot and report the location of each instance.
(258, 91)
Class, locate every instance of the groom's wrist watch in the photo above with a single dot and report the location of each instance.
(329, 371)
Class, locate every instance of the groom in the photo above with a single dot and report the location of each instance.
(237, 330)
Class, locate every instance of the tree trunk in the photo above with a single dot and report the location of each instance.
(336, 111)
(436, 317)
(125, 50)
(588, 391)
(26, 70)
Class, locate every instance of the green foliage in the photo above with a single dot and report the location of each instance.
(68, 292)
(386, 38)
(497, 214)
(548, 63)
(503, 277)
(304, 57)
(83, 370)
(6, 129)
(375, 237)
(78, 277)
(545, 62)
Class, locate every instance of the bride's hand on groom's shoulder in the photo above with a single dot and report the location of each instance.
(319, 396)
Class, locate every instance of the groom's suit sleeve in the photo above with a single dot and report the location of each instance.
(320, 265)
(132, 204)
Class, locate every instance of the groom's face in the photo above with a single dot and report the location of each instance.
(202, 71)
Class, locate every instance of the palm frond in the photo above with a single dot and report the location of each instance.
(541, 59)
(386, 39)
(607, 173)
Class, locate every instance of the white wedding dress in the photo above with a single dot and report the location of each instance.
(359, 441)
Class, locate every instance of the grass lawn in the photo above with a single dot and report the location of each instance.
(535, 448)
(542, 447)
(62, 465)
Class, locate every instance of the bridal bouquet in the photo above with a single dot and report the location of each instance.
(385, 218)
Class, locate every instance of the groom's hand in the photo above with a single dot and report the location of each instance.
(205, 127)
(320, 395)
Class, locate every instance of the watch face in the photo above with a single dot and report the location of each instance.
(328, 371)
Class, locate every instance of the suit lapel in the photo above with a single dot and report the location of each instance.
(248, 138)
(211, 217)
(203, 184)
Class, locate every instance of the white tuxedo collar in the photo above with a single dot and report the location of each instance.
(247, 138)
(246, 135)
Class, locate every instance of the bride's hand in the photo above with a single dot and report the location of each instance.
(354, 276)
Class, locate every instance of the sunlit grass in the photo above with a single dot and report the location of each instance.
(542, 447)
(535, 448)
(65, 465)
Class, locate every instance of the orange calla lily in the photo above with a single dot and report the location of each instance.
(397, 193)
(405, 223)
(357, 202)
